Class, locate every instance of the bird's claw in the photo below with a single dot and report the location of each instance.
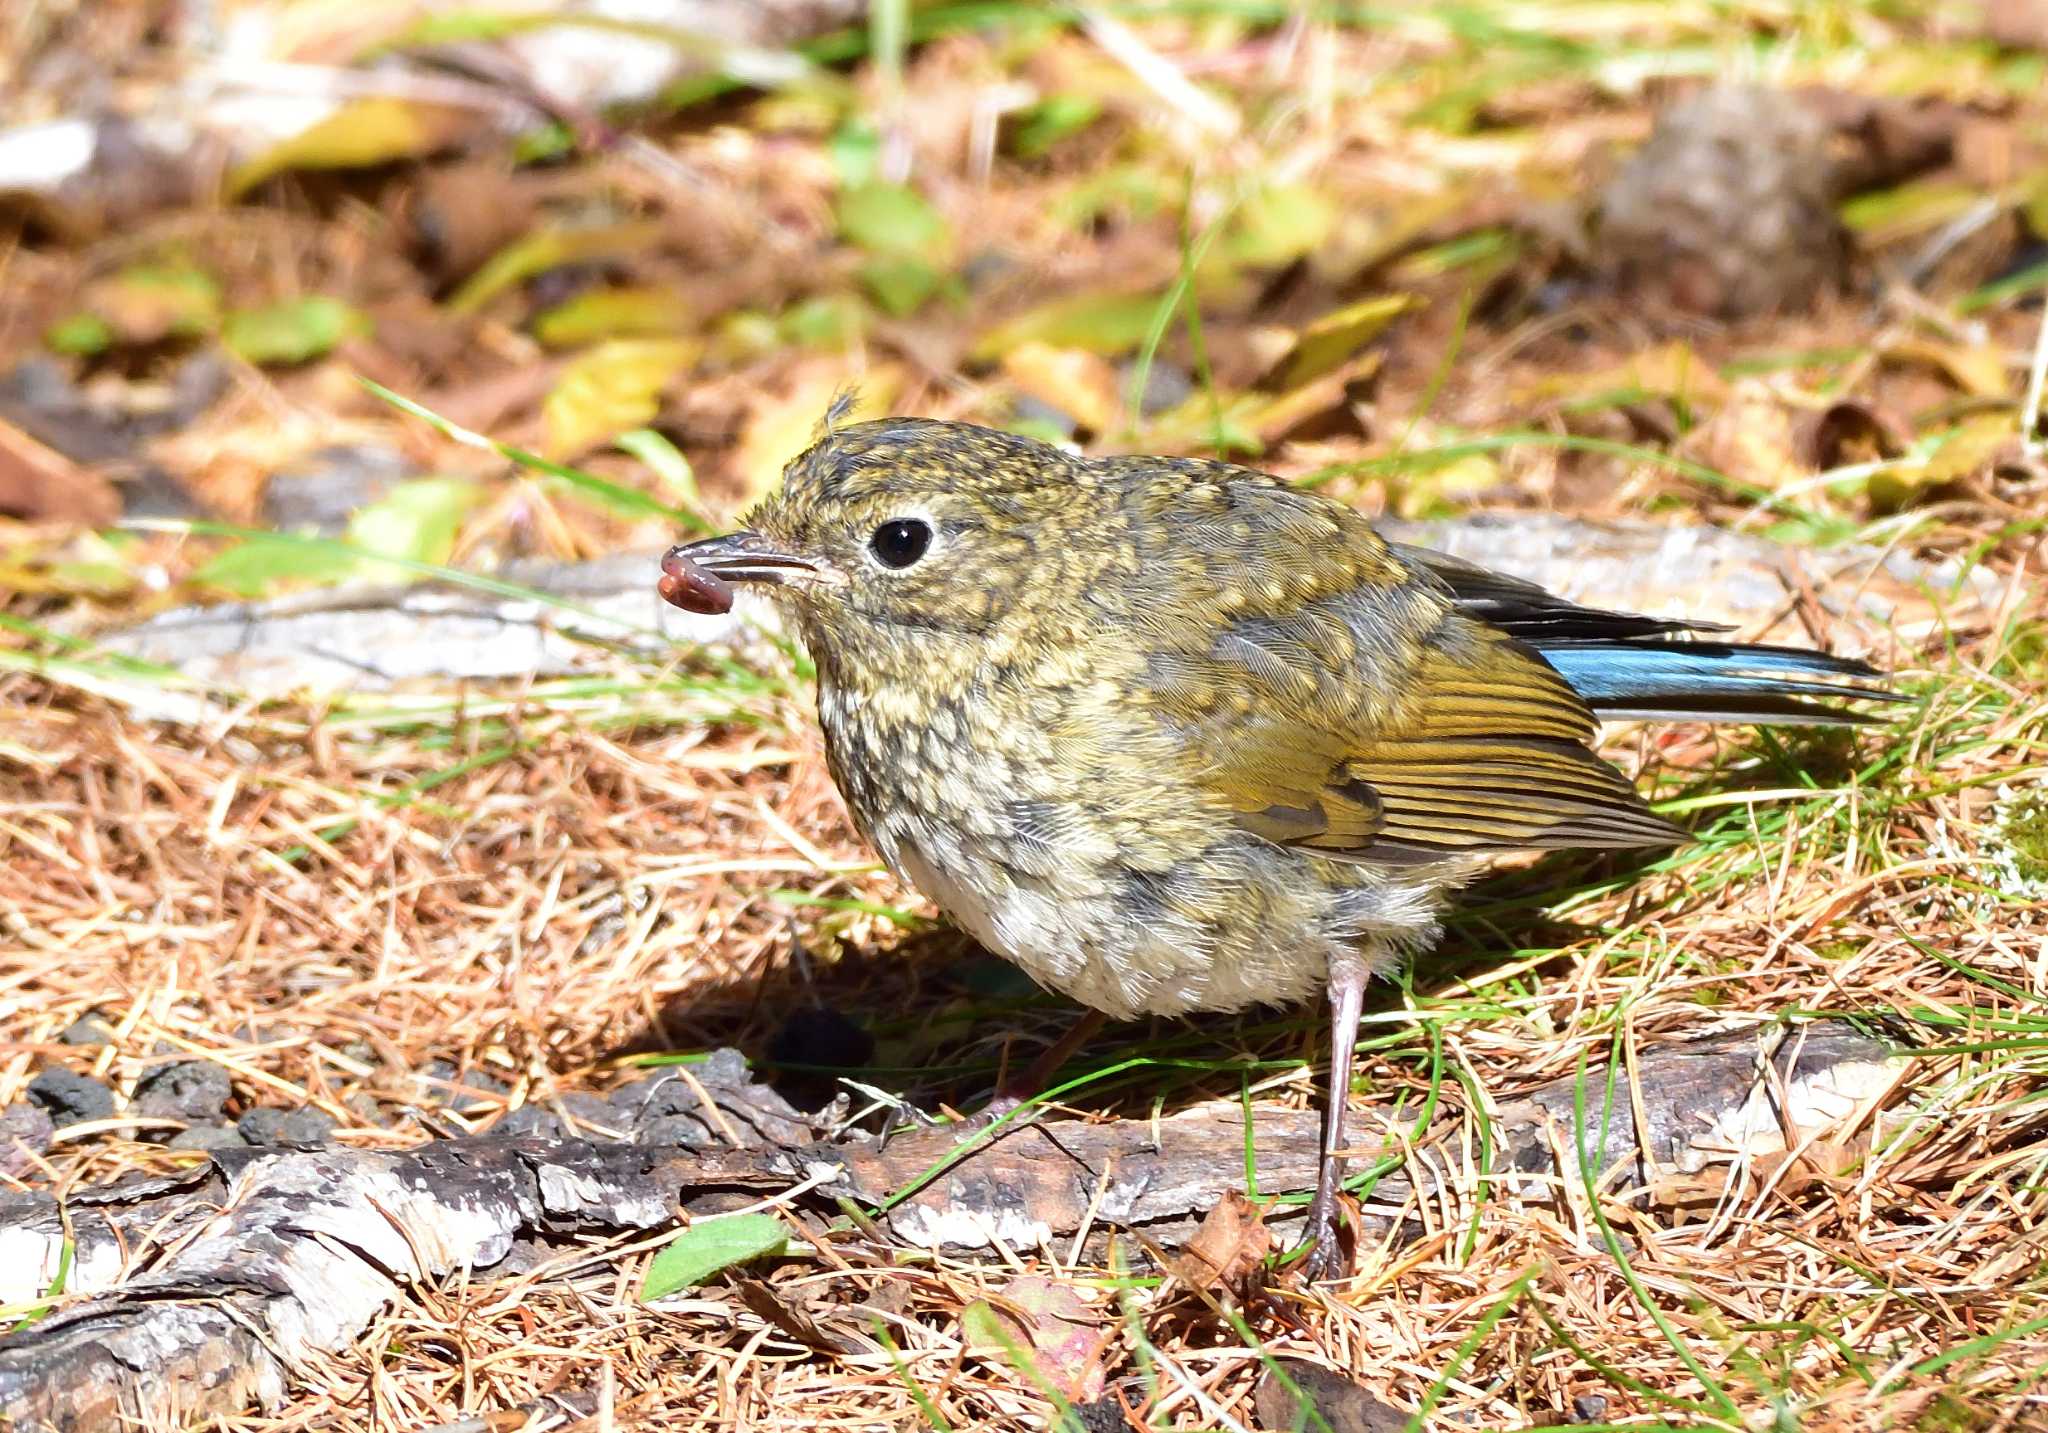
(1326, 1257)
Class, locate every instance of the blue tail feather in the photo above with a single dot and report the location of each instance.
(1680, 680)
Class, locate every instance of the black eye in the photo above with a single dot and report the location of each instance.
(902, 542)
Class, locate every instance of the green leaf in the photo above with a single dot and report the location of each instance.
(416, 521)
(900, 282)
(148, 303)
(707, 1247)
(1280, 224)
(854, 151)
(1045, 124)
(1106, 323)
(84, 334)
(295, 331)
(613, 313)
(258, 566)
(893, 220)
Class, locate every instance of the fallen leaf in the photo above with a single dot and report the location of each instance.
(1753, 438)
(781, 427)
(362, 133)
(1670, 370)
(1279, 224)
(1335, 338)
(599, 314)
(152, 302)
(611, 389)
(295, 331)
(1105, 323)
(1227, 1250)
(546, 249)
(1319, 1401)
(1080, 384)
(1969, 446)
(1851, 432)
(708, 1246)
(39, 484)
(1042, 1329)
(1977, 369)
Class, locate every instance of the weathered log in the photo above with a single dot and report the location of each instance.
(207, 1291)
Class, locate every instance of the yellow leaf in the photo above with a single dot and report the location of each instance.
(1977, 370)
(614, 387)
(1671, 370)
(1076, 382)
(546, 249)
(1331, 341)
(779, 428)
(362, 133)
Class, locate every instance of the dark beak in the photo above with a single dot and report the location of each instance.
(698, 576)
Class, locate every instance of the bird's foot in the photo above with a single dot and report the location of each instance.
(1326, 1257)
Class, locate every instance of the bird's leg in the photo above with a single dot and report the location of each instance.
(1014, 1090)
(1347, 1000)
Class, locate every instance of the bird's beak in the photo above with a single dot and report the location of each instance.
(698, 576)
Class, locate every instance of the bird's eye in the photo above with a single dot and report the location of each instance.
(901, 542)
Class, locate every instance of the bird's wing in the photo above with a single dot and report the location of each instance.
(1488, 754)
(1339, 702)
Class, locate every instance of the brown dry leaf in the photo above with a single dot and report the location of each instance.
(779, 428)
(1077, 382)
(1046, 1324)
(40, 484)
(1320, 1398)
(1228, 1248)
(1753, 438)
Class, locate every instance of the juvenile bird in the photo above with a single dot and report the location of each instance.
(1172, 735)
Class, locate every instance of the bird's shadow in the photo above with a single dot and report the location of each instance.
(935, 1022)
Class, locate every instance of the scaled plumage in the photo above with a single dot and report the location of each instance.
(1172, 735)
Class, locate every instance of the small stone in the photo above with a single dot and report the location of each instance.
(1041, 419)
(71, 1098)
(263, 1125)
(675, 1130)
(322, 490)
(309, 1126)
(652, 1098)
(196, 1090)
(1104, 1415)
(590, 1116)
(25, 1130)
(724, 1069)
(1589, 1408)
(88, 1030)
(528, 1122)
(1166, 386)
(208, 1136)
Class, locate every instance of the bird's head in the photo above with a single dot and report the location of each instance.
(904, 538)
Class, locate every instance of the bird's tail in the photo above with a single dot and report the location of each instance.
(1663, 678)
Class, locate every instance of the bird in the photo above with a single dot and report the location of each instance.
(1174, 735)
